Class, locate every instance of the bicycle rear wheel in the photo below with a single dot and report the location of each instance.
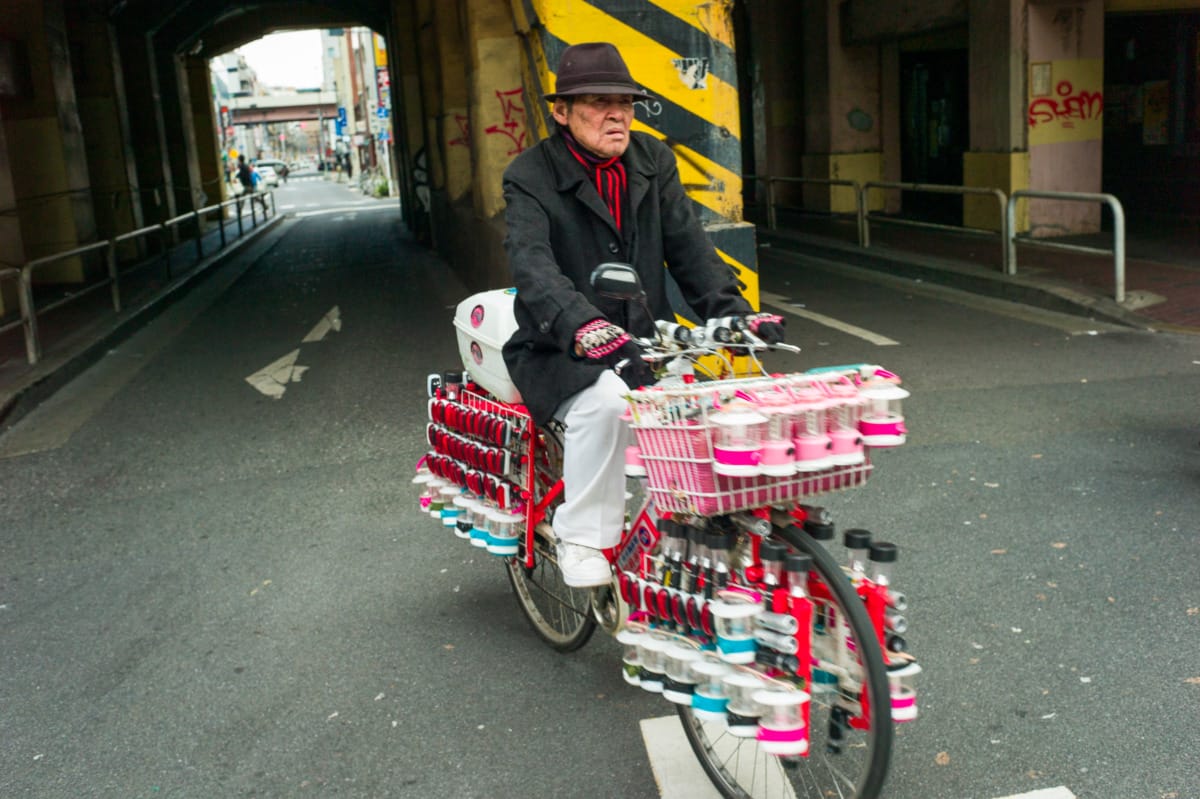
(842, 761)
(559, 614)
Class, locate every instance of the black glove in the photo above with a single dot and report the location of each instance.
(628, 364)
(767, 326)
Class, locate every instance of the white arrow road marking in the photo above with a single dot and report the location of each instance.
(272, 380)
(1046, 793)
(331, 321)
(781, 303)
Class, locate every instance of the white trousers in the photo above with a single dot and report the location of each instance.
(593, 510)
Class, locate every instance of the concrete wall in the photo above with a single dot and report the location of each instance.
(45, 143)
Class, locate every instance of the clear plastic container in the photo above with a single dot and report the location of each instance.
(738, 436)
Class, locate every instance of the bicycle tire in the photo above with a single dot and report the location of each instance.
(559, 614)
(740, 770)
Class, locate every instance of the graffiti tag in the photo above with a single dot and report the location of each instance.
(513, 125)
(464, 131)
(1067, 107)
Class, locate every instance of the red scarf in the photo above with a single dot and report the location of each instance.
(608, 174)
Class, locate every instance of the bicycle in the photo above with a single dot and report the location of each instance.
(786, 668)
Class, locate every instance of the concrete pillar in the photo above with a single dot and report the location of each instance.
(843, 137)
(145, 126)
(500, 129)
(103, 114)
(777, 92)
(998, 157)
(454, 115)
(409, 121)
(12, 247)
(48, 167)
(1066, 88)
(182, 173)
(431, 99)
(205, 134)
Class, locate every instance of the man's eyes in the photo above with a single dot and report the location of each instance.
(601, 103)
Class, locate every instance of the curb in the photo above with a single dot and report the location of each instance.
(1040, 293)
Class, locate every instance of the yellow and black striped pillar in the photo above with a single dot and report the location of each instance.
(682, 52)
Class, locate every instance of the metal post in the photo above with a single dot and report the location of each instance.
(166, 243)
(110, 255)
(199, 237)
(33, 349)
(770, 203)
(1118, 246)
(241, 231)
(1010, 215)
(221, 222)
(1004, 253)
(860, 205)
(865, 233)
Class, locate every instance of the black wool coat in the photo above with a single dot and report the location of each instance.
(559, 230)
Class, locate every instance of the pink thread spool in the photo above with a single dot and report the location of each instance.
(903, 694)
(779, 448)
(847, 449)
(739, 430)
(781, 729)
(810, 432)
(882, 423)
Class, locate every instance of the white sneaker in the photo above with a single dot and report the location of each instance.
(583, 567)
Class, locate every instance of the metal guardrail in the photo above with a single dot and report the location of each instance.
(771, 180)
(1008, 220)
(935, 188)
(24, 275)
(1117, 251)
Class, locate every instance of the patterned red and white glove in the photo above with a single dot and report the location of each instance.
(598, 340)
(767, 326)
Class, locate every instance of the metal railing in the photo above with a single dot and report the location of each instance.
(1117, 251)
(933, 188)
(29, 310)
(770, 181)
(1008, 221)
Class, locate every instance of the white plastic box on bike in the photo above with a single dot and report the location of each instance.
(483, 323)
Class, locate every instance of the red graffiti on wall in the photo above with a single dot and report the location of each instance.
(1068, 107)
(464, 131)
(513, 125)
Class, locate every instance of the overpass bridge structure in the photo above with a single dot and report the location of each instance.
(107, 122)
(301, 107)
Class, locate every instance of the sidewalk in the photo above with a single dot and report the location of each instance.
(78, 333)
(1162, 267)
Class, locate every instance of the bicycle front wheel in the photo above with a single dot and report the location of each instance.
(844, 761)
(559, 614)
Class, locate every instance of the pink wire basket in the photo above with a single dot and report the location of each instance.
(675, 435)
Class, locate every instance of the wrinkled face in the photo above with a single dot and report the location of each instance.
(599, 122)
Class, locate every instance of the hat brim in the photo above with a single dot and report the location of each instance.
(599, 88)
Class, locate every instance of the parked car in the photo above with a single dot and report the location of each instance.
(281, 169)
(267, 173)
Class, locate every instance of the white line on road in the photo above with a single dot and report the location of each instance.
(781, 303)
(352, 208)
(676, 769)
(680, 776)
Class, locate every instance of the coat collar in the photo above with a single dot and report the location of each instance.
(569, 178)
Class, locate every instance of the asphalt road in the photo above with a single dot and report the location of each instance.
(210, 591)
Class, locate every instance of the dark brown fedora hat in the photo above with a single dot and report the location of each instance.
(594, 68)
